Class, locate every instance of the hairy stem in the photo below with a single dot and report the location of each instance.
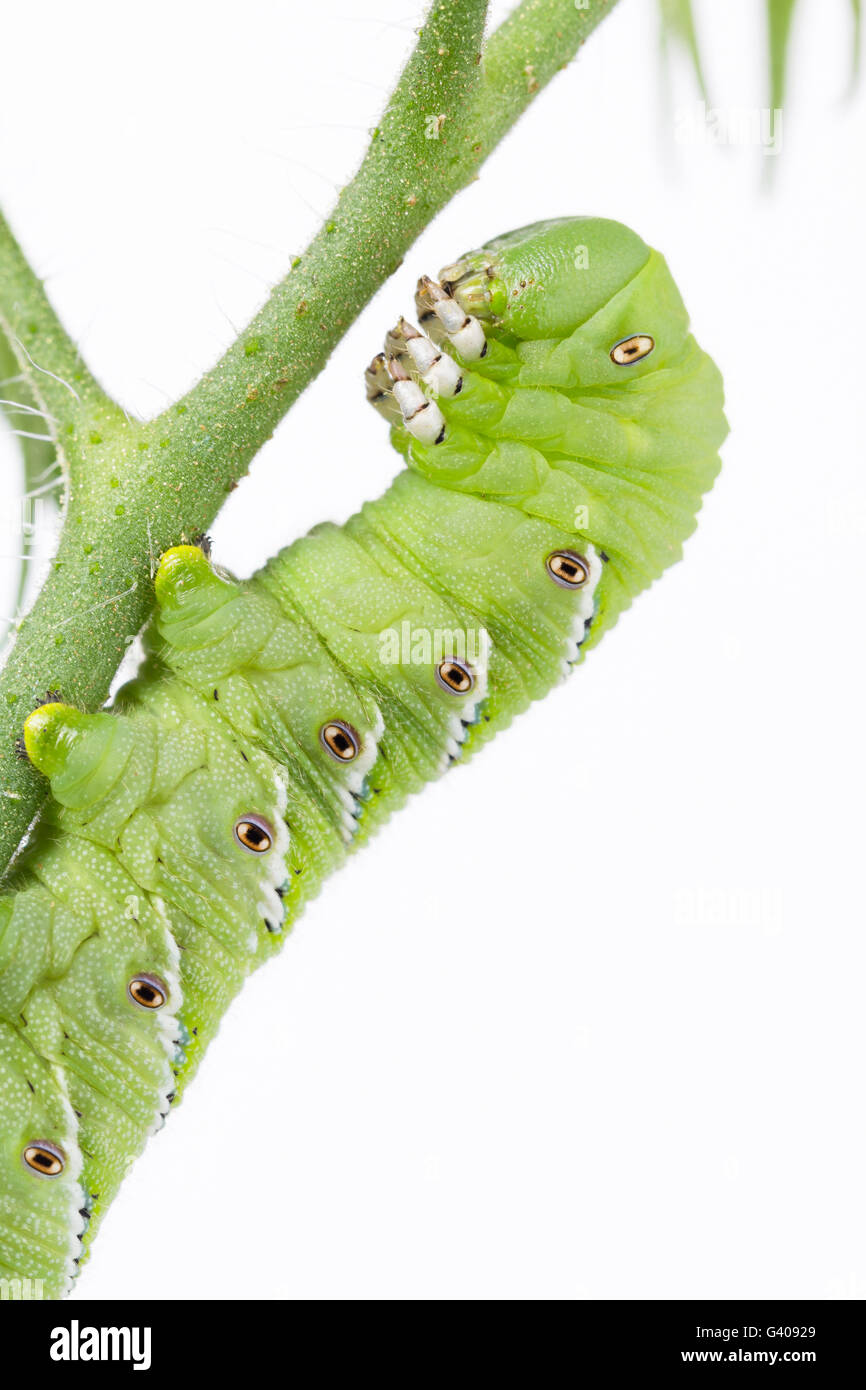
(537, 40)
(25, 413)
(34, 430)
(137, 488)
(47, 359)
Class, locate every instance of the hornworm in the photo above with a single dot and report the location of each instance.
(559, 426)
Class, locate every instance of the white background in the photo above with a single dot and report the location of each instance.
(586, 1021)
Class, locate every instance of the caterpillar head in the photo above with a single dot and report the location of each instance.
(541, 281)
(554, 369)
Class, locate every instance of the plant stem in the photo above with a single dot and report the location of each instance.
(136, 489)
(537, 40)
(47, 358)
(19, 405)
(38, 455)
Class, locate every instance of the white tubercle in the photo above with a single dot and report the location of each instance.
(470, 341)
(444, 377)
(423, 352)
(422, 416)
(409, 397)
(437, 369)
(465, 332)
(450, 315)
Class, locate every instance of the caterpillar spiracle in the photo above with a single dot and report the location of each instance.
(559, 425)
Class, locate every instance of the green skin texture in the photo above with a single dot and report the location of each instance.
(136, 867)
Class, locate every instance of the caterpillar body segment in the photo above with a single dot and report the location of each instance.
(40, 1217)
(559, 426)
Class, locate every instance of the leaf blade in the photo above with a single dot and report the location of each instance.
(678, 26)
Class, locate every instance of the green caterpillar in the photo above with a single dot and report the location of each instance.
(559, 425)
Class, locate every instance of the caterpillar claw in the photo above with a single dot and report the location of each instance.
(469, 282)
(436, 369)
(379, 392)
(451, 275)
(204, 543)
(398, 339)
(464, 332)
(427, 292)
(421, 416)
(440, 314)
(423, 359)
